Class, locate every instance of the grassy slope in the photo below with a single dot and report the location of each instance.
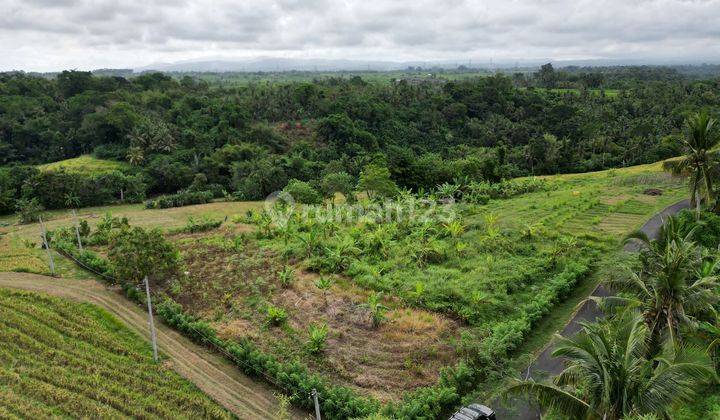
(59, 358)
(604, 206)
(16, 256)
(85, 164)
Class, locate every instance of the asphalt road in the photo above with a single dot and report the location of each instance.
(545, 365)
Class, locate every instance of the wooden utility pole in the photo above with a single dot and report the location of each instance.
(77, 230)
(152, 323)
(43, 235)
(317, 404)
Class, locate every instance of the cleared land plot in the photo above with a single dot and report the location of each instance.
(448, 296)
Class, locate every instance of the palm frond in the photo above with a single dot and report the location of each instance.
(637, 235)
(553, 398)
(677, 166)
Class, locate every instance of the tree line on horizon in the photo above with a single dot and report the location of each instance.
(252, 140)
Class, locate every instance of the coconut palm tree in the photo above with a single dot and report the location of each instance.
(608, 375)
(676, 286)
(135, 155)
(673, 228)
(701, 163)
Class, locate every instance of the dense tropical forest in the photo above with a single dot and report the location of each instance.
(249, 141)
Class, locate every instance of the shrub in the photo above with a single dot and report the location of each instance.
(276, 315)
(480, 192)
(318, 338)
(185, 198)
(29, 210)
(105, 227)
(198, 225)
(136, 252)
(302, 192)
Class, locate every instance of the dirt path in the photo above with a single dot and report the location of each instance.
(547, 366)
(211, 373)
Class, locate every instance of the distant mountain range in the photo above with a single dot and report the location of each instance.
(269, 64)
(275, 64)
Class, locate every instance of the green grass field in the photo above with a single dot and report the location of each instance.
(64, 359)
(85, 164)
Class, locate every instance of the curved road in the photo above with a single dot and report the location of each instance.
(214, 375)
(547, 366)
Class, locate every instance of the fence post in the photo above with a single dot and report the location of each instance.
(43, 235)
(77, 230)
(153, 336)
(317, 404)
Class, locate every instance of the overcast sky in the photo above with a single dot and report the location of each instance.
(47, 35)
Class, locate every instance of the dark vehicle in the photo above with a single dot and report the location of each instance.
(474, 412)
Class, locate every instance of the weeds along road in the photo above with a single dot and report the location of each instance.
(547, 366)
(214, 375)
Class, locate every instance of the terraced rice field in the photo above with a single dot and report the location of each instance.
(63, 359)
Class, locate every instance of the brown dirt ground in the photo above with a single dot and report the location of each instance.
(232, 289)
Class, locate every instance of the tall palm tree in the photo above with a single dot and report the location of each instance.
(676, 286)
(701, 161)
(135, 155)
(608, 375)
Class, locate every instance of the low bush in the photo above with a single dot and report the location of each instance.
(477, 192)
(185, 198)
(29, 210)
(318, 338)
(194, 225)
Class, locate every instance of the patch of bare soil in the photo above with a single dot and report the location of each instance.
(233, 289)
(404, 353)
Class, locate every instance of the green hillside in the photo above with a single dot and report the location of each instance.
(85, 164)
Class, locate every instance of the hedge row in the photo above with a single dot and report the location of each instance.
(508, 335)
(507, 189)
(180, 199)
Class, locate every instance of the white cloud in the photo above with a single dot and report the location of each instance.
(52, 34)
